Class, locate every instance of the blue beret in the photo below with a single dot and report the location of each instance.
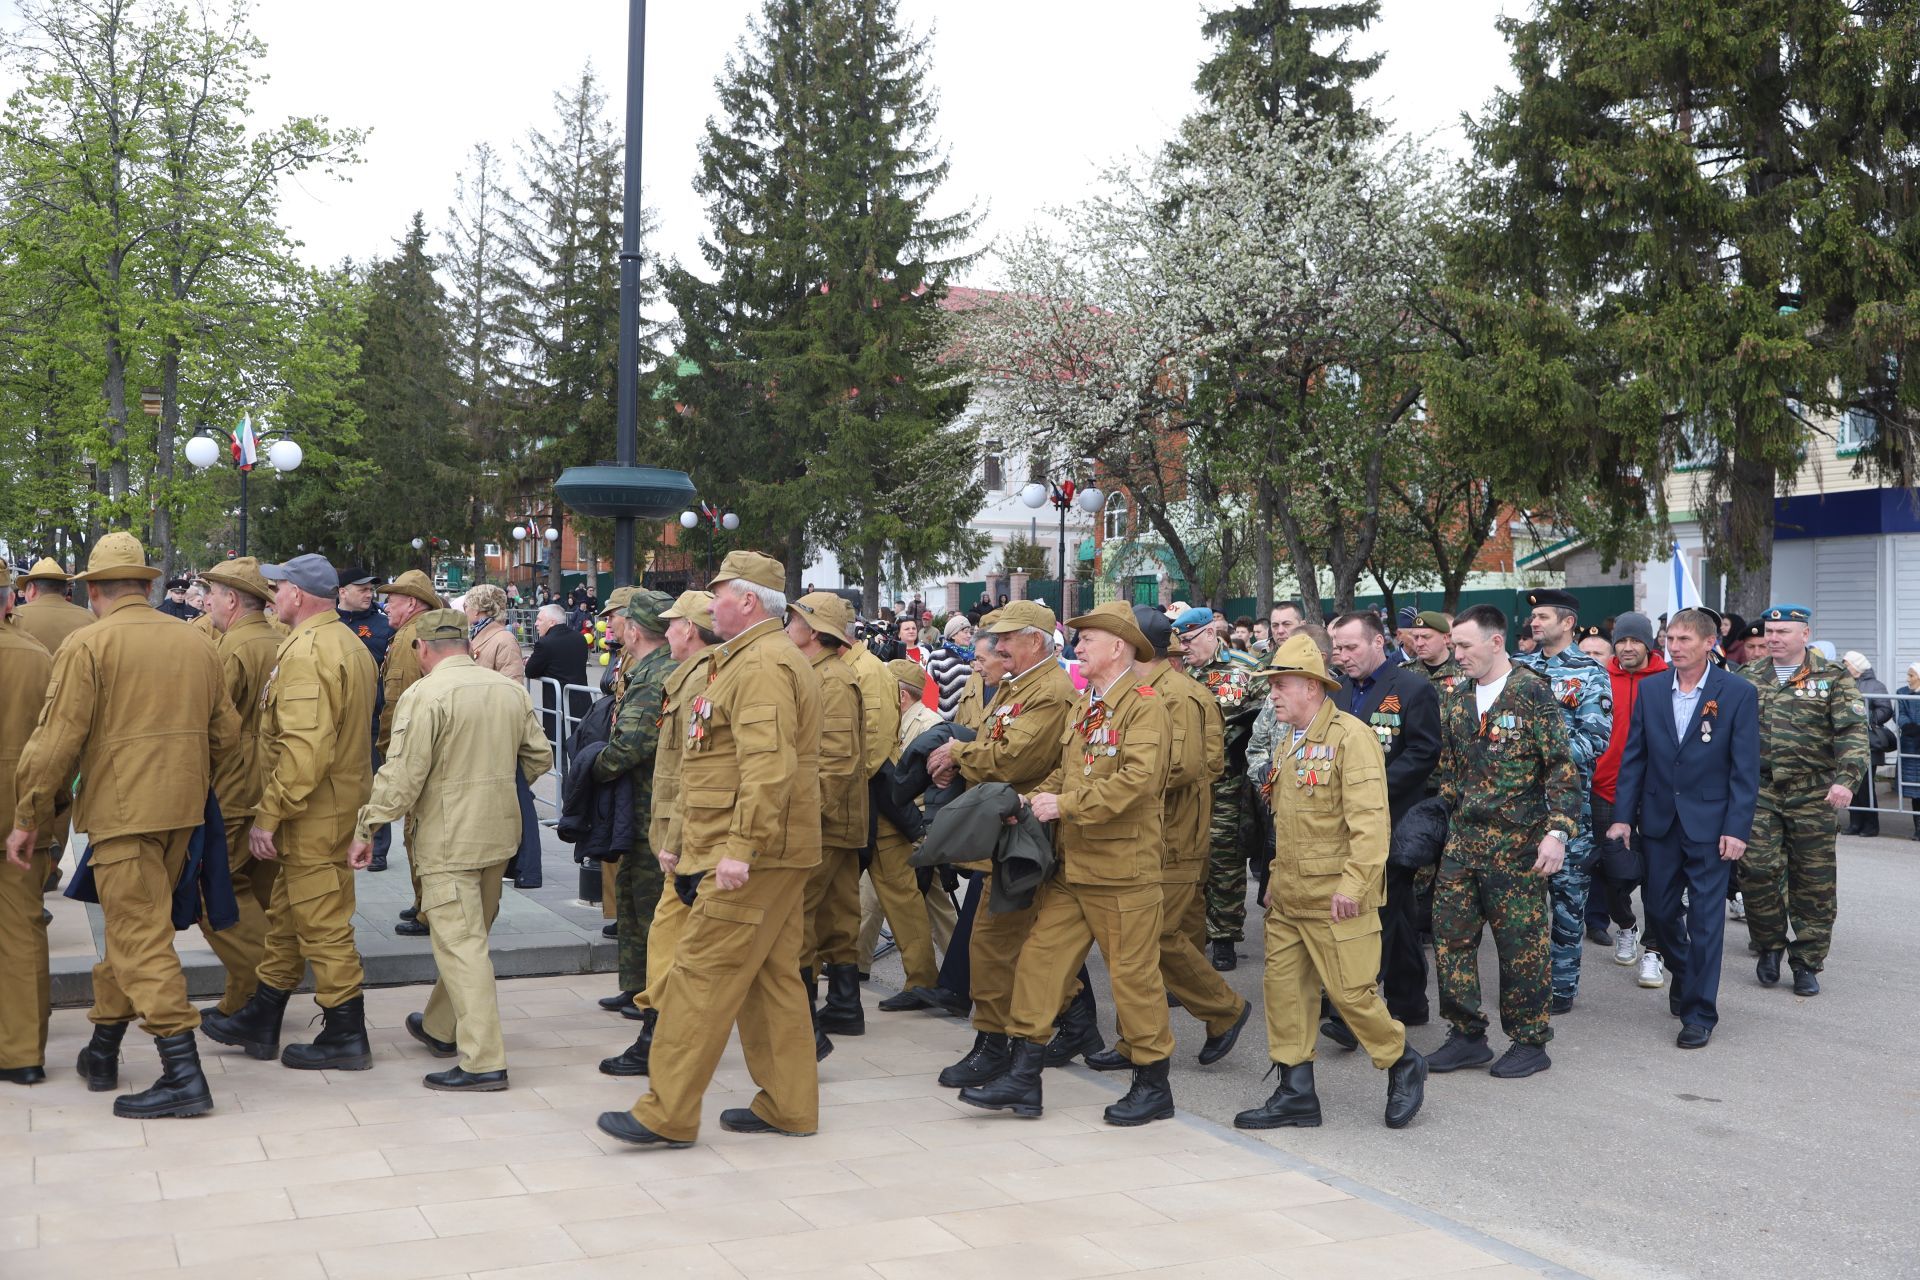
(1188, 619)
(1788, 613)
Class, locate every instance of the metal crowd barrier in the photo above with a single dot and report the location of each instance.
(1883, 794)
(555, 702)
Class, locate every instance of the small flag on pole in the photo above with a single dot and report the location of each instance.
(1686, 594)
(246, 445)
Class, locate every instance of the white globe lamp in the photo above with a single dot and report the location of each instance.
(519, 533)
(1034, 494)
(285, 455)
(730, 521)
(1091, 500)
(203, 451)
(552, 534)
(419, 543)
(688, 519)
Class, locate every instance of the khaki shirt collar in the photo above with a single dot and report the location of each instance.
(1012, 683)
(758, 631)
(127, 602)
(1317, 728)
(455, 660)
(318, 620)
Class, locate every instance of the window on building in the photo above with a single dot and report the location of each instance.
(1115, 515)
(493, 549)
(1697, 446)
(1858, 428)
(580, 550)
(1036, 469)
(995, 467)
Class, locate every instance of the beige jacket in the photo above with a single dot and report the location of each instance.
(689, 678)
(496, 649)
(318, 749)
(247, 651)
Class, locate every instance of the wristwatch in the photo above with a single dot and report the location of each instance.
(1558, 834)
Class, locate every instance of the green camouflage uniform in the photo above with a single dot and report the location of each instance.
(1443, 676)
(1508, 779)
(1229, 678)
(1813, 733)
(636, 733)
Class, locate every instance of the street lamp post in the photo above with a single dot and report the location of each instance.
(284, 455)
(1064, 496)
(716, 520)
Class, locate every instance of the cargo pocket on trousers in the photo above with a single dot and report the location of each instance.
(307, 886)
(1356, 950)
(720, 932)
(437, 894)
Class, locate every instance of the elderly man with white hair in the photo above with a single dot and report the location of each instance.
(560, 653)
(1864, 818)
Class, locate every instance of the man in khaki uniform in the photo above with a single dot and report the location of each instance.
(318, 703)
(1196, 759)
(918, 919)
(247, 643)
(690, 639)
(138, 711)
(750, 828)
(25, 671)
(1019, 744)
(1323, 902)
(820, 625)
(1106, 795)
(460, 736)
(408, 596)
(41, 608)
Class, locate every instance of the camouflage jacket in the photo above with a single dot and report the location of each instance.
(636, 730)
(1585, 694)
(1444, 676)
(1240, 695)
(1508, 778)
(1813, 728)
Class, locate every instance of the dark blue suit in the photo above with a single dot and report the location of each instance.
(1685, 791)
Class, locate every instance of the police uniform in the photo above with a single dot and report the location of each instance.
(630, 750)
(1813, 734)
(136, 708)
(246, 649)
(1331, 824)
(26, 669)
(461, 735)
(749, 792)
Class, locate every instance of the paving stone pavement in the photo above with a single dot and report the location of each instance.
(340, 1175)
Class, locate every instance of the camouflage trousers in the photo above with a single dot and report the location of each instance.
(1226, 884)
(1568, 888)
(1512, 902)
(636, 889)
(1787, 876)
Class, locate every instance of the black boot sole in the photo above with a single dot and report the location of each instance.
(1285, 1122)
(1024, 1110)
(354, 1062)
(1134, 1122)
(252, 1048)
(178, 1110)
(1089, 1044)
(624, 1069)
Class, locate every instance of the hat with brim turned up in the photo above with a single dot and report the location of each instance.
(117, 557)
(1116, 619)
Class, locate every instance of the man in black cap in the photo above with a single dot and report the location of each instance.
(356, 607)
(175, 605)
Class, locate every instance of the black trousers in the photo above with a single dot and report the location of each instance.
(1403, 965)
(1694, 932)
(956, 970)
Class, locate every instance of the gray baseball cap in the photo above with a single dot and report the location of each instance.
(311, 573)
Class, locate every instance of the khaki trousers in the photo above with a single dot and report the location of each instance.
(890, 887)
(1201, 991)
(25, 987)
(663, 942)
(310, 921)
(993, 954)
(738, 961)
(1125, 923)
(464, 1006)
(610, 891)
(140, 974)
(1343, 957)
(831, 934)
(1193, 919)
(241, 946)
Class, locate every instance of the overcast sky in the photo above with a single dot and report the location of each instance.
(1034, 94)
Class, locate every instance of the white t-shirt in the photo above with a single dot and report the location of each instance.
(1485, 695)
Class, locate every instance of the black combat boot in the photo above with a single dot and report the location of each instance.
(255, 1028)
(341, 1045)
(1224, 958)
(842, 1015)
(99, 1063)
(633, 1062)
(988, 1058)
(1017, 1089)
(1150, 1098)
(181, 1089)
(1077, 1031)
(821, 1045)
(1406, 1088)
(1293, 1103)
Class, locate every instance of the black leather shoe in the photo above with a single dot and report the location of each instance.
(990, 1056)
(379, 862)
(945, 1001)
(1767, 969)
(1340, 1033)
(622, 1125)
(1460, 1051)
(181, 1089)
(1077, 1031)
(744, 1120)
(617, 1001)
(1109, 1060)
(410, 913)
(632, 1012)
(611, 929)
(23, 1075)
(411, 929)
(1017, 1089)
(456, 1080)
(1560, 1004)
(1520, 1061)
(842, 1014)
(1406, 1088)
(1218, 1047)
(1223, 957)
(1804, 983)
(1599, 934)
(1292, 1105)
(1150, 1098)
(255, 1028)
(1693, 1037)
(417, 1028)
(903, 1002)
(99, 1062)
(633, 1061)
(342, 1044)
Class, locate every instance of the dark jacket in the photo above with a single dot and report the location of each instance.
(1879, 710)
(205, 884)
(595, 817)
(1022, 852)
(561, 655)
(1706, 780)
(1403, 710)
(911, 781)
(1419, 834)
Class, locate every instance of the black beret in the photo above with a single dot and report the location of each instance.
(1551, 597)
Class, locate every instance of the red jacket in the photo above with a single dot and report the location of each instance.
(1626, 687)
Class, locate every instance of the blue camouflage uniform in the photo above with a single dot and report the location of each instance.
(1585, 694)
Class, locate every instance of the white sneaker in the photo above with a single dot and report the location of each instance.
(1653, 974)
(1626, 945)
(1737, 908)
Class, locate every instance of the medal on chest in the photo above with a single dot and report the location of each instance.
(1098, 738)
(1313, 766)
(699, 711)
(1001, 718)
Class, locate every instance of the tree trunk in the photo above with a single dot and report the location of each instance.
(163, 451)
(796, 553)
(870, 579)
(1263, 547)
(1747, 537)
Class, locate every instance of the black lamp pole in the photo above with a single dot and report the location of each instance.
(627, 439)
